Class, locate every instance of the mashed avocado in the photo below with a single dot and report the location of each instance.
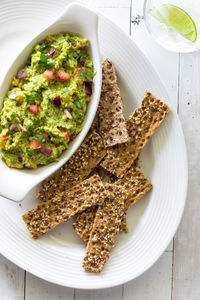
(47, 104)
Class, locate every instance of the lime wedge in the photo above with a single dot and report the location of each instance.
(175, 17)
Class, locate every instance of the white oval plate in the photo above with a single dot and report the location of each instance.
(57, 257)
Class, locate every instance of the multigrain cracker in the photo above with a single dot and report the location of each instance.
(112, 125)
(109, 77)
(105, 228)
(77, 168)
(110, 178)
(123, 226)
(141, 125)
(95, 123)
(84, 223)
(98, 170)
(85, 220)
(61, 208)
(136, 184)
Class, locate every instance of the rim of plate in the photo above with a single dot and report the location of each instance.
(129, 277)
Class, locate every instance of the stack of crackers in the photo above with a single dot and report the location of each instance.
(110, 151)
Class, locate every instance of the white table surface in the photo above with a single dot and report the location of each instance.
(176, 275)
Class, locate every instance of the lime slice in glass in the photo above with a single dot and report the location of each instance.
(175, 17)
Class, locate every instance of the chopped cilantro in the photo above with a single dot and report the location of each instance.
(81, 74)
(31, 138)
(44, 45)
(31, 152)
(49, 63)
(30, 100)
(70, 41)
(67, 57)
(78, 55)
(78, 103)
(30, 127)
(40, 138)
(84, 75)
(43, 58)
(88, 76)
(13, 114)
(65, 89)
(36, 94)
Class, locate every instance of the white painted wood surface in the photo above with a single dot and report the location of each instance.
(176, 275)
(186, 271)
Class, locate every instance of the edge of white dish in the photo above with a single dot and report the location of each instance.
(76, 18)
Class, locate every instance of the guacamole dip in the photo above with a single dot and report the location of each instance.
(47, 104)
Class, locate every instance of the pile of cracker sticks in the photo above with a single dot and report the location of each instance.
(111, 149)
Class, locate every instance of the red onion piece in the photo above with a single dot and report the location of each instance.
(88, 88)
(22, 74)
(52, 52)
(12, 127)
(57, 101)
(46, 151)
(21, 128)
(83, 62)
(68, 114)
(21, 160)
(12, 96)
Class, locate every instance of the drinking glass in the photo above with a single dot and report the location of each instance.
(166, 35)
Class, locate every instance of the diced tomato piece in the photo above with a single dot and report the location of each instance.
(49, 74)
(65, 135)
(45, 135)
(35, 144)
(33, 108)
(74, 44)
(63, 75)
(3, 140)
(60, 74)
(49, 39)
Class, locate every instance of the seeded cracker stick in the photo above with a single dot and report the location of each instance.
(77, 168)
(98, 170)
(61, 208)
(112, 124)
(84, 221)
(141, 125)
(110, 178)
(95, 123)
(105, 228)
(137, 185)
